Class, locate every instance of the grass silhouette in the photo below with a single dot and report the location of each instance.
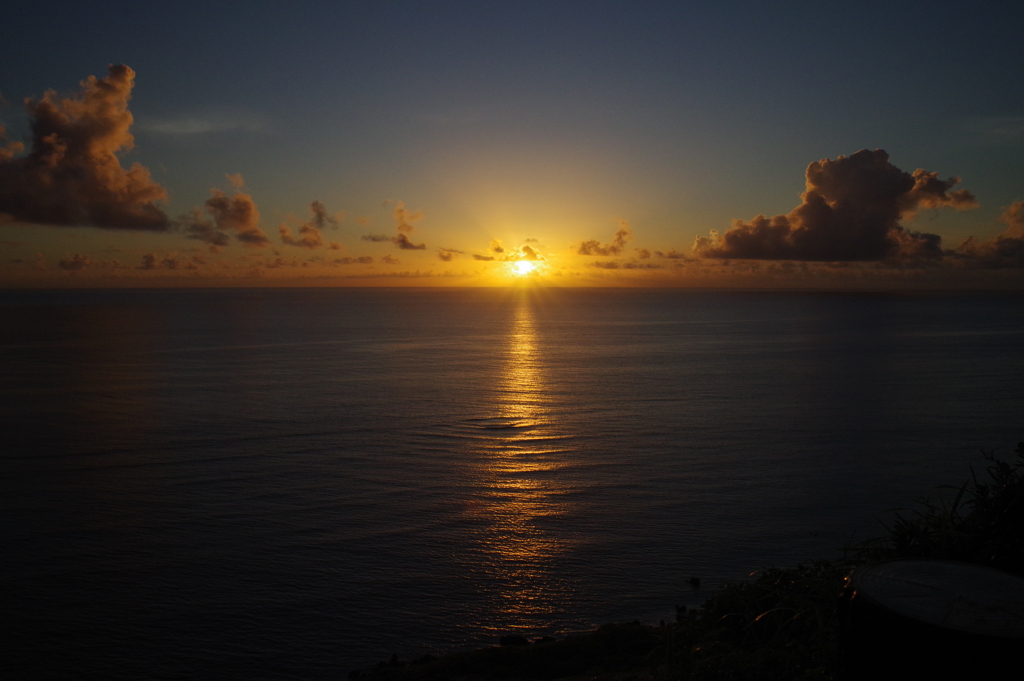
(782, 625)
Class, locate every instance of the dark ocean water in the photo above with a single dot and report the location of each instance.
(288, 484)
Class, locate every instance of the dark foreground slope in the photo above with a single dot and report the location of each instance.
(782, 625)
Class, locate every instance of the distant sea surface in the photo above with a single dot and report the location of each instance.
(289, 484)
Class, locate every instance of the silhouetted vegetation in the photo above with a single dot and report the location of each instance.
(783, 625)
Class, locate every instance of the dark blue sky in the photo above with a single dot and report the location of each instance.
(545, 120)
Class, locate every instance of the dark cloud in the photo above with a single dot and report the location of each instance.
(486, 258)
(375, 237)
(850, 211)
(390, 260)
(72, 174)
(529, 253)
(77, 262)
(238, 214)
(496, 246)
(643, 253)
(1005, 250)
(198, 226)
(348, 260)
(402, 241)
(448, 254)
(309, 233)
(593, 247)
(672, 255)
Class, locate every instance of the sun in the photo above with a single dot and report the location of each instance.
(523, 267)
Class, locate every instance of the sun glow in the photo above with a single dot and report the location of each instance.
(523, 268)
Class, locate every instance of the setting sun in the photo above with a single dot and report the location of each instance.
(523, 267)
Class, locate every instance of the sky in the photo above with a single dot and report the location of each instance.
(761, 144)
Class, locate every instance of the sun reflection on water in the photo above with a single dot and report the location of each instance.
(522, 491)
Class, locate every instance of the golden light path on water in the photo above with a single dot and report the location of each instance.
(518, 471)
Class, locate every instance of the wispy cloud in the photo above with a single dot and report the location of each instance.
(206, 123)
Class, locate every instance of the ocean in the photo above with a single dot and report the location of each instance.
(292, 483)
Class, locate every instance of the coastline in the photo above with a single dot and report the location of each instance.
(785, 624)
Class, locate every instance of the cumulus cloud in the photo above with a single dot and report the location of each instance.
(197, 226)
(405, 219)
(529, 253)
(850, 210)
(524, 252)
(594, 247)
(448, 254)
(402, 241)
(496, 246)
(238, 214)
(309, 233)
(1005, 250)
(72, 174)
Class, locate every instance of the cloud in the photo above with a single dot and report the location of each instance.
(402, 241)
(363, 220)
(238, 214)
(1005, 250)
(309, 233)
(676, 255)
(643, 253)
(615, 264)
(76, 263)
(390, 260)
(850, 211)
(448, 254)
(198, 226)
(236, 180)
(405, 219)
(593, 247)
(486, 258)
(999, 128)
(202, 124)
(530, 253)
(496, 246)
(10, 149)
(72, 175)
(348, 260)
